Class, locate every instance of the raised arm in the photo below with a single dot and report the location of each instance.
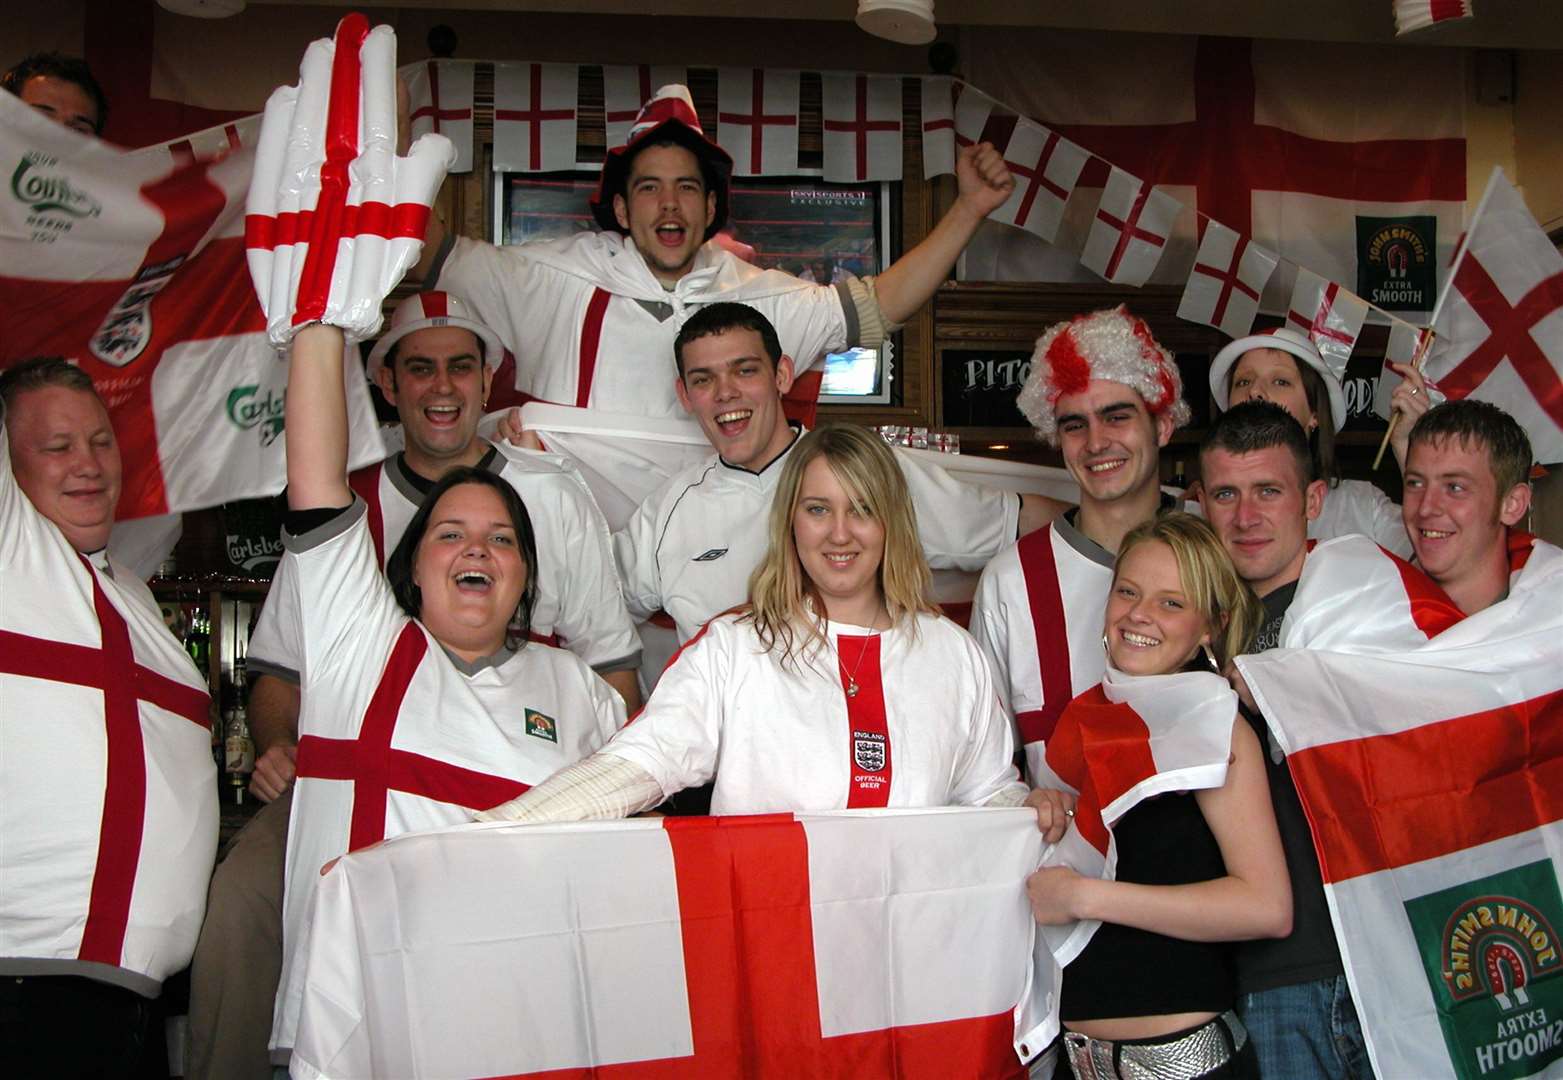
(984, 183)
(317, 421)
(1253, 900)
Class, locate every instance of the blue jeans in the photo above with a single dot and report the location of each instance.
(1306, 1032)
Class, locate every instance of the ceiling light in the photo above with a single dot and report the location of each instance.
(909, 22)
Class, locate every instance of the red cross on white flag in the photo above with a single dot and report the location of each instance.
(972, 110)
(861, 116)
(625, 88)
(1229, 275)
(215, 142)
(1500, 322)
(861, 127)
(1046, 167)
(1129, 234)
(534, 117)
(1403, 341)
(888, 947)
(757, 120)
(1420, 14)
(440, 93)
(938, 126)
(1330, 315)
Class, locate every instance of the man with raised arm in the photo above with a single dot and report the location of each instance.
(108, 818)
(690, 547)
(592, 318)
(1109, 397)
(435, 364)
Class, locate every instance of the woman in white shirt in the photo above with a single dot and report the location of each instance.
(838, 685)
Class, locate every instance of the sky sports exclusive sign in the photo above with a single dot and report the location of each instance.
(1490, 948)
(1397, 266)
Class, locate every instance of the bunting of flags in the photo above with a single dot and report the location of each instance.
(1420, 14)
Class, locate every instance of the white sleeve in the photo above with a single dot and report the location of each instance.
(495, 282)
(961, 525)
(812, 322)
(593, 622)
(275, 648)
(344, 599)
(678, 734)
(635, 548)
(1384, 522)
(990, 630)
(986, 765)
(21, 525)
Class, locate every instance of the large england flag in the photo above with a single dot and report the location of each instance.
(131, 264)
(850, 944)
(1247, 132)
(1499, 329)
(1432, 778)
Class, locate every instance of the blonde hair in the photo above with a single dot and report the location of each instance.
(1232, 612)
(784, 603)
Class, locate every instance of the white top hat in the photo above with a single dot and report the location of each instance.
(429, 309)
(1286, 340)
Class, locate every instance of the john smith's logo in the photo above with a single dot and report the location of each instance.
(47, 192)
(541, 727)
(1490, 950)
(248, 409)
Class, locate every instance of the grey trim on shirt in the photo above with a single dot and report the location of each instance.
(134, 981)
(1082, 543)
(322, 534)
(626, 663)
(849, 310)
(469, 668)
(257, 665)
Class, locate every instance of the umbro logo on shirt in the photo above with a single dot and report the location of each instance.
(710, 556)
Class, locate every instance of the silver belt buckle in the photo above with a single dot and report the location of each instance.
(1091, 1059)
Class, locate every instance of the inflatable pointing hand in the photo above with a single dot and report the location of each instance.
(334, 217)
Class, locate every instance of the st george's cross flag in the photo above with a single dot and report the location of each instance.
(757, 120)
(938, 94)
(1130, 231)
(1413, 15)
(440, 101)
(1046, 167)
(1229, 276)
(535, 116)
(861, 120)
(890, 944)
(625, 88)
(1499, 324)
(131, 264)
(1329, 315)
(1431, 778)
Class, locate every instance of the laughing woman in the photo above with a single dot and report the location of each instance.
(838, 685)
(1152, 993)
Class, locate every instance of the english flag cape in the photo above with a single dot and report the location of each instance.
(1121, 742)
(131, 264)
(1432, 776)
(851, 944)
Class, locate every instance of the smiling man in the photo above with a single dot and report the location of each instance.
(435, 365)
(1109, 397)
(108, 819)
(1467, 487)
(591, 319)
(690, 547)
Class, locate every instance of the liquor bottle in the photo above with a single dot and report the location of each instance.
(238, 747)
(1179, 479)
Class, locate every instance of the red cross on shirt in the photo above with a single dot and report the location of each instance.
(111, 668)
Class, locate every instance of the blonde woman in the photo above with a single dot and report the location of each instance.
(838, 685)
(1153, 992)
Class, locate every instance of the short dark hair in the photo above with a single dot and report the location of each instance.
(71, 69)
(1259, 425)
(399, 567)
(1483, 424)
(719, 319)
(39, 372)
(389, 360)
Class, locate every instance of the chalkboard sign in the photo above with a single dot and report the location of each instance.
(979, 387)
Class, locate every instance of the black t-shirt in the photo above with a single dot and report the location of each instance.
(1309, 952)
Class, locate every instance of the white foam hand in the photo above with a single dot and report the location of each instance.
(334, 218)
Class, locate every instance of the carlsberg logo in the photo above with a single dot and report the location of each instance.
(247, 410)
(44, 192)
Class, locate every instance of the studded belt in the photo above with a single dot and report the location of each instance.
(1182, 1057)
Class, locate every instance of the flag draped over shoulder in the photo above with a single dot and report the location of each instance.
(1116, 745)
(131, 264)
(1432, 776)
(890, 944)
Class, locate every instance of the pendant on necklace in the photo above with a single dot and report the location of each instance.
(851, 688)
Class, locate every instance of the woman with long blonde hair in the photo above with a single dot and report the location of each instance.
(838, 685)
(1198, 867)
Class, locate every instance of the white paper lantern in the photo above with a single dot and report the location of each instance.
(909, 22)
